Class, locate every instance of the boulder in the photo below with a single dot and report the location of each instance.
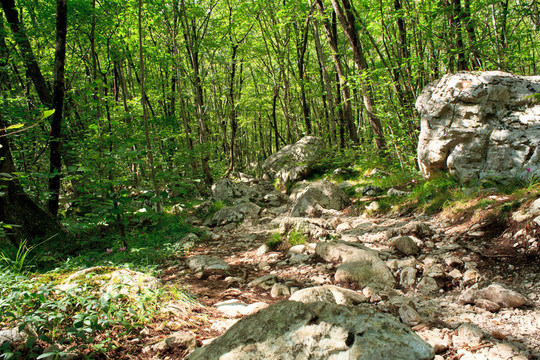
(341, 251)
(294, 162)
(480, 125)
(317, 331)
(329, 294)
(373, 273)
(235, 214)
(129, 282)
(322, 194)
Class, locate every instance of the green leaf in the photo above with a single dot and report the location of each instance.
(44, 355)
(47, 113)
(15, 126)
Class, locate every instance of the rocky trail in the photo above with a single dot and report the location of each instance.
(468, 294)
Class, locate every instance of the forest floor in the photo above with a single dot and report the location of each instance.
(471, 240)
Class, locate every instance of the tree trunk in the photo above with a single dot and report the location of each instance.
(345, 15)
(145, 112)
(58, 105)
(346, 110)
(29, 221)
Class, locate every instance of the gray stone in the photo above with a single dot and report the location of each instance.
(235, 214)
(467, 335)
(428, 285)
(405, 245)
(409, 315)
(407, 277)
(328, 294)
(235, 307)
(480, 125)
(294, 162)
(317, 331)
(279, 290)
(322, 194)
(12, 336)
(496, 293)
(265, 281)
(205, 262)
(371, 190)
(179, 339)
(129, 282)
(372, 273)
(341, 251)
(396, 192)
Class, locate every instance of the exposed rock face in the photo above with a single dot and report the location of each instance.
(318, 331)
(480, 125)
(329, 294)
(294, 162)
(323, 194)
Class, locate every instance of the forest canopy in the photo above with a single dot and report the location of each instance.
(103, 100)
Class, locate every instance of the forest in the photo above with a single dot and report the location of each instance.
(116, 118)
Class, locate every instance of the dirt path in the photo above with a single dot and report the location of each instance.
(451, 249)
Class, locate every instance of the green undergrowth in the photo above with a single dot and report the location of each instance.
(287, 240)
(83, 320)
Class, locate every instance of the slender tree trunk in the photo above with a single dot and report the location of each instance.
(58, 105)
(345, 15)
(145, 113)
(346, 109)
(32, 68)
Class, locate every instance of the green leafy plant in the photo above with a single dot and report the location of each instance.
(18, 264)
(274, 241)
(296, 238)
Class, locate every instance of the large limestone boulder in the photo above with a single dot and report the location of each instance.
(480, 125)
(294, 162)
(320, 194)
(328, 294)
(317, 331)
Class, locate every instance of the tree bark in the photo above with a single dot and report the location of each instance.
(346, 18)
(346, 111)
(32, 68)
(58, 105)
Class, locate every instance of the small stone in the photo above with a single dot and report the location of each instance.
(407, 277)
(455, 274)
(297, 249)
(279, 290)
(373, 206)
(467, 335)
(471, 276)
(409, 315)
(440, 342)
(487, 305)
(428, 285)
(405, 245)
(179, 339)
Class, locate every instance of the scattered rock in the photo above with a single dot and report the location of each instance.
(373, 207)
(428, 285)
(279, 290)
(435, 337)
(467, 335)
(235, 307)
(319, 331)
(496, 293)
(179, 339)
(205, 262)
(322, 194)
(129, 282)
(407, 277)
(341, 251)
(329, 294)
(372, 190)
(405, 245)
(374, 273)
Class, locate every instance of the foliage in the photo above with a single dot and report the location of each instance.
(273, 241)
(80, 318)
(295, 237)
